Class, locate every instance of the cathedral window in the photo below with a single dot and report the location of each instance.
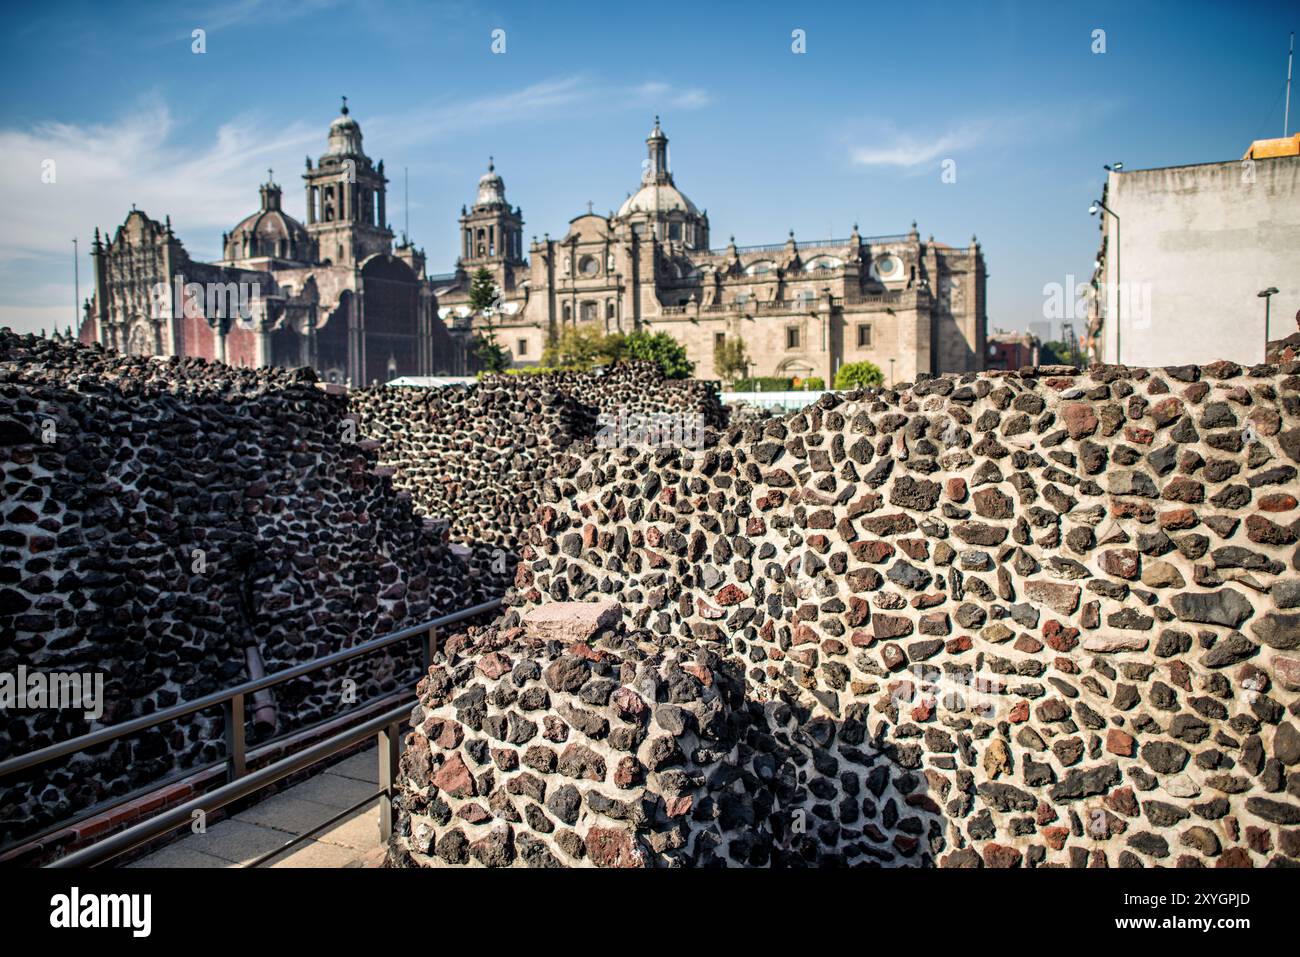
(588, 311)
(521, 347)
(864, 335)
(792, 337)
(589, 265)
(609, 309)
(568, 312)
(674, 230)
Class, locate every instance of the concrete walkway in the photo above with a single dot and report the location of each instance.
(237, 841)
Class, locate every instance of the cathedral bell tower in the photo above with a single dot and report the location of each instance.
(492, 232)
(346, 198)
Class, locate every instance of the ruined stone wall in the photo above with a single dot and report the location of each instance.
(476, 456)
(160, 517)
(1039, 619)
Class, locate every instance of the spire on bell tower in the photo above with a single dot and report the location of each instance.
(656, 171)
(346, 196)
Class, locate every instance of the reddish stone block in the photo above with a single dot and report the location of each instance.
(731, 595)
(1120, 562)
(1056, 836)
(1177, 518)
(493, 665)
(1120, 742)
(1059, 636)
(454, 778)
(1079, 418)
(891, 626)
(1277, 502)
(999, 855)
(1027, 644)
(1122, 801)
(873, 552)
(613, 847)
(959, 644)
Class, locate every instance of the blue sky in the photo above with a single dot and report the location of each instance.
(856, 129)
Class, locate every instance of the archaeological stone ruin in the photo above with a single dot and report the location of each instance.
(1045, 618)
(1033, 619)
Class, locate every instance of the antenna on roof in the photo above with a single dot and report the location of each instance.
(1286, 114)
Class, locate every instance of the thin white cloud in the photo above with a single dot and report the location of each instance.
(220, 16)
(913, 150)
(441, 120)
(664, 95)
(98, 171)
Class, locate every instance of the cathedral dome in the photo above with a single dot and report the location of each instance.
(657, 199)
(345, 134)
(269, 232)
(658, 193)
(491, 187)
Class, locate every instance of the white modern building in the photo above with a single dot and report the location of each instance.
(1185, 252)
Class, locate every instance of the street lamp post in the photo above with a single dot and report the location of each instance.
(1267, 295)
(1119, 289)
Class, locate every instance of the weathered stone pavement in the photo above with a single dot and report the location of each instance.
(256, 831)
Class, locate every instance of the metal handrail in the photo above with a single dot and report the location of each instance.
(239, 782)
(234, 696)
(387, 725)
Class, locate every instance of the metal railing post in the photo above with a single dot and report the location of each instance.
(430, 647)
(232, 702)
(235, 760)
(390, 746)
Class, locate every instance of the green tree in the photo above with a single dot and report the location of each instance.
(580, 348)
(489, 352)
(482, 291)
(730, 361)
(483, 299)
(859, 375)
(585, 346)
(661, 349)
(1054, 353)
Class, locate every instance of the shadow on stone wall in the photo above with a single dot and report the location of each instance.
(595, 747)
(160, 517)
(1095, 573)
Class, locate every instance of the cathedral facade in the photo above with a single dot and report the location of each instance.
(802, 308)
(333, 293)
(336, 292)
